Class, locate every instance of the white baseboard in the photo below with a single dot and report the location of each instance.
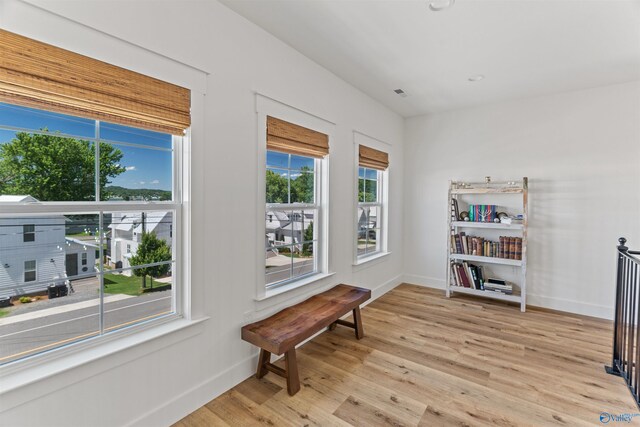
(571, 306)
(428, 282)
(192, 399)
(553, 303)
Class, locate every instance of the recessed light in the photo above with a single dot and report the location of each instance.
(439, 5)
(476, 78)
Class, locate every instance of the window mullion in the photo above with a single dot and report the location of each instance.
(97, 160)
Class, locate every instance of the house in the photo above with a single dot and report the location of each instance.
(126, 234)
(34, 252)
(447, 91)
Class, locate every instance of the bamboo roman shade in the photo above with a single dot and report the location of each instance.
(372, 158)
(293, 139)
(38, 75)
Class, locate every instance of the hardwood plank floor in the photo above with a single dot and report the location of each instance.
(431, 361)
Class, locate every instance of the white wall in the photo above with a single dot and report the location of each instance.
(159, 382)
(581, 152)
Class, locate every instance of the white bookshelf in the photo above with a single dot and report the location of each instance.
(513, 194)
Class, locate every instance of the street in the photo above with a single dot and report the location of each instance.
(34, 335)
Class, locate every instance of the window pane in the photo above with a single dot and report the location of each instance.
(370, 190)
(302, 163)
(135, 174)
(139, 238)
(48, 273)
(278, 264)
(277, 160)
(304, 259)
(277, 181)
(32, 119)
(361, 172)
(373, 243)
(302, 187)
(113, 132)
(373, 217)
(47, 167)
(371, 174)
(137, 295)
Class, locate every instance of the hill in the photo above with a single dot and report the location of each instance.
(115, 192)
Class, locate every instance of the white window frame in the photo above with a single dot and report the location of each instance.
(266, 106)
(382, 200)
(34, 270)
(318, 171)
(180, 309)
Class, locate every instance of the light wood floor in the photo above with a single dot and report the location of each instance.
(427, 360)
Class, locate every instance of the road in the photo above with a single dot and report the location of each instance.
(277, 274)
(36, 335)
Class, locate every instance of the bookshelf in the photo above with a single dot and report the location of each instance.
(505, 243)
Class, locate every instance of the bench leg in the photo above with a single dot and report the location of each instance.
(263, 361)
(357, 320)
(333, 326)
(291, 367)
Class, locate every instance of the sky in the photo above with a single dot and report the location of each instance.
(145, 167)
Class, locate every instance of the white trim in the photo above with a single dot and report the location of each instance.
(266, 106)
(374, 256)
(293, 285)
(360, 138)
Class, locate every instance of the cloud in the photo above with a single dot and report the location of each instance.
(142, 182)
(154, 182)
(130, 168)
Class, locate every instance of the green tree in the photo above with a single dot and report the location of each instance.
(151, 250)
(307, 248)
(302, 186)
(277, 188)
(55, 168)
(367, 192)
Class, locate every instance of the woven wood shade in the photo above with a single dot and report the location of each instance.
(38, 75)
(372, 158)
(293, 139)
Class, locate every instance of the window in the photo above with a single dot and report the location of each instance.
(294, 168)
(370, 221)
(30, 271)
(101, 187)
(28, 233)
(291, 212)
(369, 211)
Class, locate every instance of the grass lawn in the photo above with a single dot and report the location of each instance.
(121, 284)
(3, 312)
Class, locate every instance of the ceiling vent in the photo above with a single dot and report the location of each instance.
(400, 92)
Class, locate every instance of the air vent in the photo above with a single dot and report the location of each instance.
(400, 92)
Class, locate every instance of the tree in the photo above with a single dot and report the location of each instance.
(307, 248)
(151, 250)
(371, 192)
(277, 188)
(55, 168)
(302, 187)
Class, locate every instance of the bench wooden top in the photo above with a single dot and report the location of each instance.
(282, 331)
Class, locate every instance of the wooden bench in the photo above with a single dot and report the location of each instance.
(281, 332)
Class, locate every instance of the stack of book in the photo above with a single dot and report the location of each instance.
(497, 285)
(507, 247)
(467, 275)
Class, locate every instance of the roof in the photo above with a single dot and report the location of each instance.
(8, 198)
(80, 242)
(133, 221)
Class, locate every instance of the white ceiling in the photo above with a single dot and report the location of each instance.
(525, 48)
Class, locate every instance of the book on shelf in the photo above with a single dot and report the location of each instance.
(455, 213)
(483, 213)
(467, 275)
(506, 247)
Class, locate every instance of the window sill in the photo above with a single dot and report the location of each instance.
(376, 256)
(293, 285)
(37, 368)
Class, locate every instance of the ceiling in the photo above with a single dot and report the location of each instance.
(524, 48)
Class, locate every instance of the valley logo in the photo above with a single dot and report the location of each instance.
(606, 418)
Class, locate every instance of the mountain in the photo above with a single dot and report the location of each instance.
(120, 193)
